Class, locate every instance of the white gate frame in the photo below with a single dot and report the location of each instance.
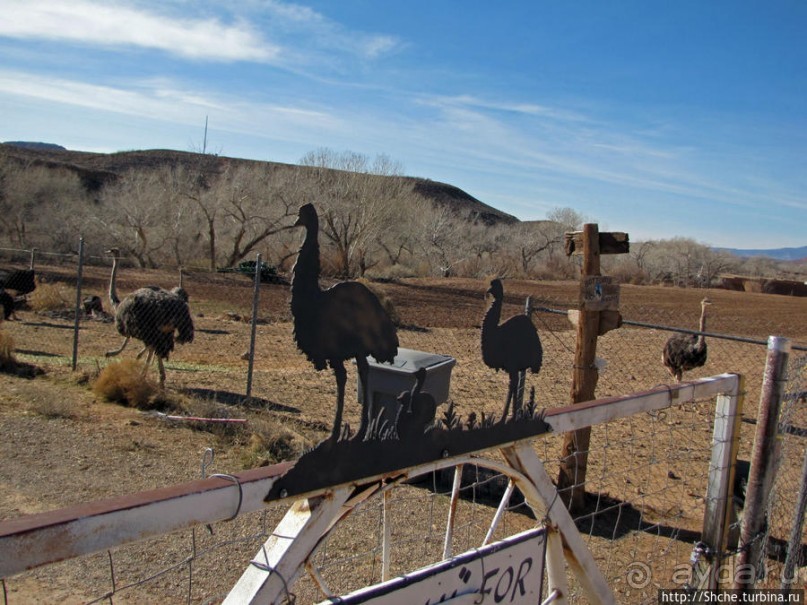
(44, 538)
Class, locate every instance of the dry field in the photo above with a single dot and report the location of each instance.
(60, 444)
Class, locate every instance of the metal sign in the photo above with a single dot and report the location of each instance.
(510, 571)
(599, 293)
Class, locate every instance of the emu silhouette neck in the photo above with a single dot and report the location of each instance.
(489, 324)
(306, 271)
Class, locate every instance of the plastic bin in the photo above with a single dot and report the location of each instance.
(385, 381)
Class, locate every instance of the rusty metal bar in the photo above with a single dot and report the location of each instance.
(78, 298)
(39, 539)
(508, 492)
(763, 460)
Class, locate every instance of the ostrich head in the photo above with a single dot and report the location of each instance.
(307, 217)
(705, 303)
(496, 289)
(115, 252)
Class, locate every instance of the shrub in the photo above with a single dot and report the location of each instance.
(124, 383)
(47, 297)
(7, 358)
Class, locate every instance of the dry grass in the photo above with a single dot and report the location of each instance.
(123, 382)
(48, 297)
(7, 358)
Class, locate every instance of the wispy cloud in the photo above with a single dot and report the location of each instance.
(112, 24)
(161, 99)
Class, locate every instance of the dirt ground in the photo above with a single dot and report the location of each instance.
(60, 444)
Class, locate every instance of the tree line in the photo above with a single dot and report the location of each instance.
(212, 212)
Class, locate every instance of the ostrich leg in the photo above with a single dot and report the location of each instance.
(162, 371)
(117, 351)
(341, 379)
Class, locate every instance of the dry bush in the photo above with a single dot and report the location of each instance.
(7, 358)
(54, 408)
(47, 297)
(123, 382)
(208, 408)
(269, 442)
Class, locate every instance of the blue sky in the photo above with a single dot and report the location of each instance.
(662, 119)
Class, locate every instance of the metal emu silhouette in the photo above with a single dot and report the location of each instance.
(513, 346)
(346, 321)
(684, 352)
(151, 315)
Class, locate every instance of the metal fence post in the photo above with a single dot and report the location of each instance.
(794, 543)
(78, 299)
(255, 299)
(763, 461)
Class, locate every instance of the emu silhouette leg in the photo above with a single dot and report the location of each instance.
(367, 409)
(118, 351)
(341, 379)
(511, 396)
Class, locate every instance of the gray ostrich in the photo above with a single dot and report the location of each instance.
(684, 352)
(345, 321)
(151, 315)
(512, 346)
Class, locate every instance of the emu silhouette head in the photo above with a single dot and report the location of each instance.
(496, 289)
(307, 216)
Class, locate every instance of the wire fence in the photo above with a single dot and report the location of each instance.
(646, 479)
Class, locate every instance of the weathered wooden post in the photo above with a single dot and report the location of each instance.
(598, 313)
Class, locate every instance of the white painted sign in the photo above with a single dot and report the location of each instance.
(510, 571)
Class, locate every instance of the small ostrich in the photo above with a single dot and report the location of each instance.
(7, 302)
(153, 316)
(512, 346)
(684, 352)
(346, 321)
(93, 306)
(417, 409)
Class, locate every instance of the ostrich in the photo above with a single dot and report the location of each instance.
(512, 346)
(417, 409)
(346, 321)
(151, 315)
(686, 351)
(7, 302)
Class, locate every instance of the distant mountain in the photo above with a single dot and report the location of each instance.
(96, 169)
(776, 253)
(34, 145)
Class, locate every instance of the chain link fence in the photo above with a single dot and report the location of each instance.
(647, 474)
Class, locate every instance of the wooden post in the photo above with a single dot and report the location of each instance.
(574, 451)
(725, 443)
(763, 462)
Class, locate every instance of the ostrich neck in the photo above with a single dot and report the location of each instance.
(702, 328)
(305, 274)
(113, 294)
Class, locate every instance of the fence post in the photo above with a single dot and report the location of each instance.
(78, 298)
(794, 543)
(763, 462)
(574, 450)
(522, 375)
(718, 504)
(255, 298)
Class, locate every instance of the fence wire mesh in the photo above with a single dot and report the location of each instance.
(646, 479)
